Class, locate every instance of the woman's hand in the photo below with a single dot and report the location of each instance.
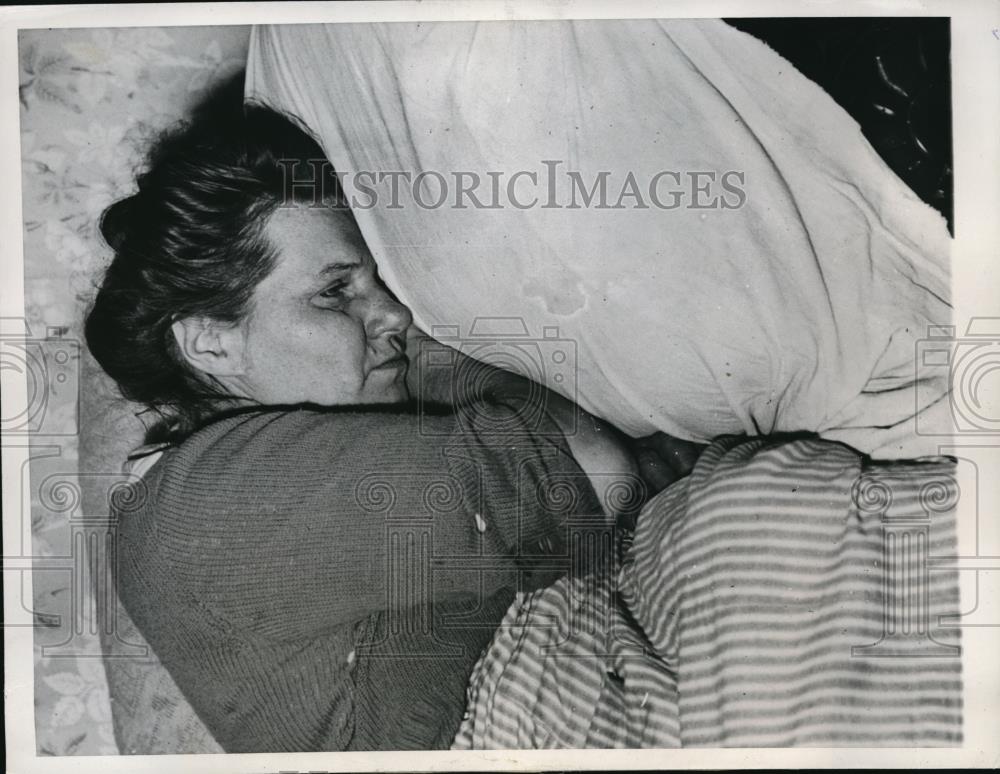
(663, 459)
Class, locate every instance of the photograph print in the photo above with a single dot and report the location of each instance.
(490, 385)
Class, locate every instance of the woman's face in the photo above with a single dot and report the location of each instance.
(323, 328)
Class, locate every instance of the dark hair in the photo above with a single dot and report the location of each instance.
(190, 243)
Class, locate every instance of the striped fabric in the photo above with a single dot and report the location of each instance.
(566, 669)
(778, 596)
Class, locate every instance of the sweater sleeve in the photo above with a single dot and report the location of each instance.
(289, 522)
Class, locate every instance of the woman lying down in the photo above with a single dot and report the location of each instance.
(319, 566)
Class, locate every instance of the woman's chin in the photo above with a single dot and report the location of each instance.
(387, 391)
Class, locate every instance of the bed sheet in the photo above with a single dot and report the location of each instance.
(787, 593)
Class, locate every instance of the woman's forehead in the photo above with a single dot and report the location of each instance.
(314, 240)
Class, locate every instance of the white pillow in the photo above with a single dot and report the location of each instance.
(796, 306)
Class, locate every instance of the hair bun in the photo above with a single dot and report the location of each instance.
(117, 221)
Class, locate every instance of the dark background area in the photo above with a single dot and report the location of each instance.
(893, 76)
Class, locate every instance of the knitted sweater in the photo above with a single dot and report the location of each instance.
(325, 580)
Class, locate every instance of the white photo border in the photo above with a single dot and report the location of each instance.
(975, 45)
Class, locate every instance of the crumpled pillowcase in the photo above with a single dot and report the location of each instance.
(797, 306)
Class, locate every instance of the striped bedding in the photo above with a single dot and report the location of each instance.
(778, 596)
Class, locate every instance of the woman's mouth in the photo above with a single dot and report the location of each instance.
(397, 362)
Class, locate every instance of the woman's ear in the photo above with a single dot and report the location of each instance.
(210, 346)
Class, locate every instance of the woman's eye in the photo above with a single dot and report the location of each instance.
(334, 291)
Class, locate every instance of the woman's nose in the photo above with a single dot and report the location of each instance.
(385, 316)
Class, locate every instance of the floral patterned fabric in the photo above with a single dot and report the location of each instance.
(90, 102)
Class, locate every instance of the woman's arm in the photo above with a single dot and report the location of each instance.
(442, 374)
(599, 449)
